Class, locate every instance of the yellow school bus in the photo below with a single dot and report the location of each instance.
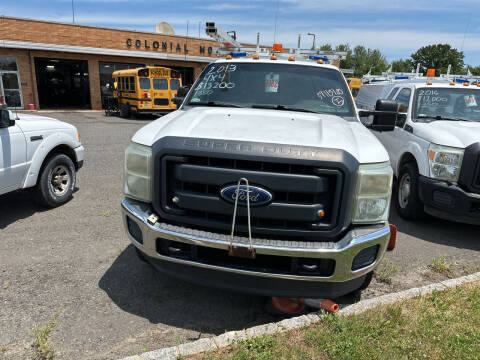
(354, 84)
(147, 90)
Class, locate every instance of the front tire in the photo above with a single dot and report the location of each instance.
(407, 201)
(56, 181)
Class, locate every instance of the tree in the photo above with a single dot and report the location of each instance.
(402, 65)
(438, 57)
(363, 60)
(475, 70)
(326, 47)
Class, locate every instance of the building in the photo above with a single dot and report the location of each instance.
(60, 65)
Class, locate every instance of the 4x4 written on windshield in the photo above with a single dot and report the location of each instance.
(280, 86)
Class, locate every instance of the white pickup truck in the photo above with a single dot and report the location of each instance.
(435, 148)
(40, 153)
(319, 182)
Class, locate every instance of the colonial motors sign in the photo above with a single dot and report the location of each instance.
(165, 46)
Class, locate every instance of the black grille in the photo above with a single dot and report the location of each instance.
(261, 263)
(470, 173)
(299, 193)
(161, 101)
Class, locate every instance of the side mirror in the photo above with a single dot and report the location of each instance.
(178, 100)
(181, 94)
(384, 116)
(5, 119)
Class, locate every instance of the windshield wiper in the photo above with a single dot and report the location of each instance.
(283, 107)
(213, 103)
(439, 117)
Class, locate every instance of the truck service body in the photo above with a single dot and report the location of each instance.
(308, 172)
(435, 149)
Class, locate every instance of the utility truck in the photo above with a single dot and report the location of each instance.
(435, 147)
(39, 153)
(263, 181)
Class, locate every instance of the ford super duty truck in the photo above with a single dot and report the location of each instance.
(435, 147)
(318, 191)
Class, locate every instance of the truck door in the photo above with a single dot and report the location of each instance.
(13, 157)
(395, 141)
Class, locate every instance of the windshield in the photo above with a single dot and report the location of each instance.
(273, 86)
(447, 104)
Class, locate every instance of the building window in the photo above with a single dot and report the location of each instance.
(10, 90)
(8, 63)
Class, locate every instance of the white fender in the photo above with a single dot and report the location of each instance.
(48, 144)
(419, 151)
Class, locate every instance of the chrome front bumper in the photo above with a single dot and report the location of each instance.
(343, 251)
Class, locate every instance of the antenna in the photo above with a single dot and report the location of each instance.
(276, 17)
(73, 13)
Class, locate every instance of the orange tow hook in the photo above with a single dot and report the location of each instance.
(393, 238)
(324, 304)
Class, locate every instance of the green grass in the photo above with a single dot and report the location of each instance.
(106, 214)
(42, 347)
(386, 270)
(440, 265)
(444, 325)
(4, 348)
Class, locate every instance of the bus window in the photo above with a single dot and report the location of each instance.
(160, 84)
(122, 83)
(174, 84)
(131, 81)
(144, 83)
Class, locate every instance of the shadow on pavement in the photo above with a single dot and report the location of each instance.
(15, 206)
(439, 231)
(139, 289)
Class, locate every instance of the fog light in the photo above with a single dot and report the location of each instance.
(365, 257)
(134, 230)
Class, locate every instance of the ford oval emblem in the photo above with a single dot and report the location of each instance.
(257, 195)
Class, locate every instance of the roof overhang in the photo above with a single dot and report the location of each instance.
(102, 51)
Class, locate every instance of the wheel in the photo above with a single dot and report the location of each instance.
(140, 255)
(56, 181)
(125, 111)
(407, 201)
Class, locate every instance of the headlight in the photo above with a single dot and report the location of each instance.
(445, 162)
(373, 191)
(138, 172)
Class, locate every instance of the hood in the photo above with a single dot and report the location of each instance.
(267, 126)
(29, 123)
(458, 134)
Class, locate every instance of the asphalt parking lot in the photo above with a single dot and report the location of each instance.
(76, 262)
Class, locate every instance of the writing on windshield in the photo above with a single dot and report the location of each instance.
(273, 86)
(447, 103)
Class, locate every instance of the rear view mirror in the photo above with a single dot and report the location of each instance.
(5, 119)
(384, 115)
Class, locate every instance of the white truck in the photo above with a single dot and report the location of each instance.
(435, 147)
(40, 153)
(315, 183)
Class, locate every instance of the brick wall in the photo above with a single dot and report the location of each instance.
(79, 35)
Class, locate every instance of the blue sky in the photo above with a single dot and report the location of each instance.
(397, 28)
